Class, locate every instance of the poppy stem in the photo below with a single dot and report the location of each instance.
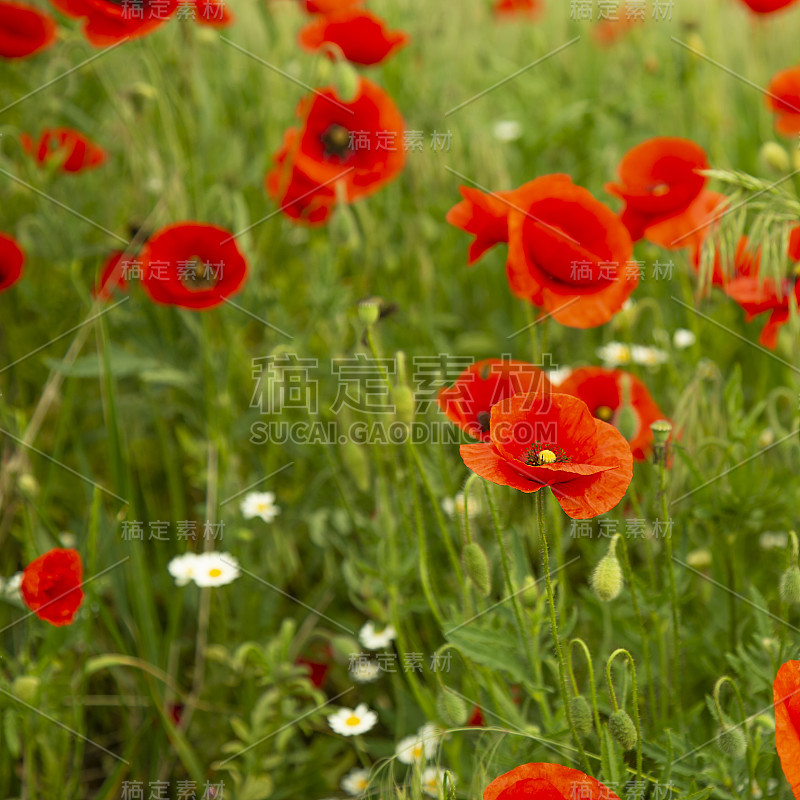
(590, 678)
(562, 667)
(635, 692)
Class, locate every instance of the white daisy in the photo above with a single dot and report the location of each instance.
(215, 569)
(410, 750)
(430, 734)
(683, 338)
(559, 375)
(365, 671)
(353, 721)
(11, 588)
(771, 540)
(183, 568)
(614, 354)
(376, 638)
(648, 356)
(507, 130)
(432, 779)
(260, 504)
(355, 782)
(453, 506)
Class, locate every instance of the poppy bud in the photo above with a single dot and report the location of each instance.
(369, 311)
(606, 580)
(452, 710)
(476, 565)
(622, 729)
(732, 741)
(28, 484)
(661, 428)
(774, 157)
(530, 592)
(344, 647)
(699, 559)
(627, 420)
(404, 404)
(581, 715)
(346, 81)
(790, 585)
(26, 688)
(357, 464)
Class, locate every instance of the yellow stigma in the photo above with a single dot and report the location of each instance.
(352, 720)
(214, 573)
(604, 413)
(547, 457)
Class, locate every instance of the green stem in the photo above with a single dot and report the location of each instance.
(590, 678)
(635, 686)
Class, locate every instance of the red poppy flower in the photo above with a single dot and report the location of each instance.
(509, 8)
(611, 29)
(192, 265)
(602, 391)
(73, 151)
(110, 21)
(658, 179)
(213, 12)
(51, 586)
(468, 402)
(11, 261)
(344, 149)
(767, 6)
(553, 440)
(329, 6)
(476, 719)
(24, 30)
(568, 252)
(113, 275)
(794, 244)
(786, 696)
(318, 670)
(783, 97)
(546, 782)
(362, 37)
(483, 215)
(758, 295)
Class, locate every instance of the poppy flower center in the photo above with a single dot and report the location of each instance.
(604, 413)
(659, 189)
(198, 275)
(336, 141)
(483, 419)
(540, 454)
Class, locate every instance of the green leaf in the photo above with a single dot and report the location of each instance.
(491, 648)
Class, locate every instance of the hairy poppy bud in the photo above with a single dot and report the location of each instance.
(627, 420)
(357, 464)
(606, 580)
(26, 688)
(622, 729)
(581, 715)
(452, 710)
(404, 404)
(476, 565)
(346, 80)
(732, 741)
(790, 585)
(774, 157)
(530, 591)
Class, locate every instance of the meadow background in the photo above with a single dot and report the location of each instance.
(152, 411)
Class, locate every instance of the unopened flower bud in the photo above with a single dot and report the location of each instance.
(622, 729)
(581, 715)
(452, 710)
(28, 484)
(346, 80)
(530, 591)
(606, 580)
(774, 157)
(732, 741)
(345, 647)
(790, 585)
(699, 559)
(476, 565)
(26, 688)
(356, 462)
(404, 404)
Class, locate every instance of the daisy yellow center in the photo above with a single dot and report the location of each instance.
(352, 720)
(214, 573)
(417, 751)
(547, 457)
(604, 413)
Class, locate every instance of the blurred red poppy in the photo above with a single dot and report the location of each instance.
(362, 37)
(786, 696)
(318, 670)
(192, 265)
(12, 260)
(113, 275)
(794, 244)
(110, 21)
(783, 97)
(73, 151)
(553, 440)
(213, 12)
(329, 6)
(602, 391)
(468, 402)
(344, 150)
(658, 179)
(51, 586)
(24, 30)
(509, 8)
(610, 30)
(476, 719)
(546, 782)
(483, 215)
(767, 6)
(758, 295)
